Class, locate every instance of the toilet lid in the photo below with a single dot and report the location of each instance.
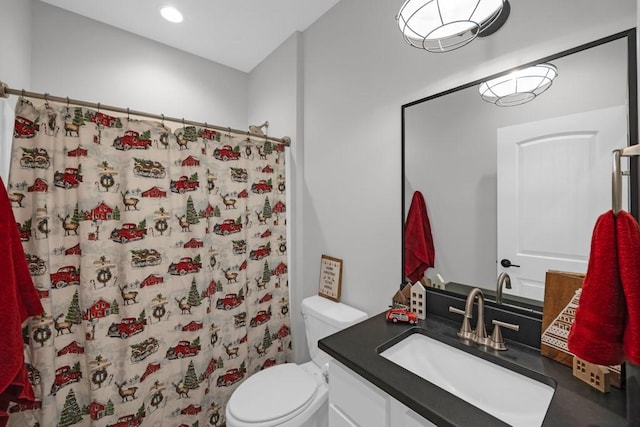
(277, 392)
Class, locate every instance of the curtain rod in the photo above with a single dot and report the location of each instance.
(5, 91)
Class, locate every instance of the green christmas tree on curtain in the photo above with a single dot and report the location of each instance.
(142, 316)
(115, 308)
(220, 363)
(146, 134)
(194, 297)
(116, 213)
(266, 341)
(266, 209)
(190, 133)
(109, 408)
(190, 378)
(219, 286)
(191, 214)
(76, 218)
(266, 273)
(71, 412)
(268, 147)
(78, 118)
(74, 315)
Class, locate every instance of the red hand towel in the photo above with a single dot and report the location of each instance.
(419, 253)
(19, 300)
(598, 328)
(628, 234)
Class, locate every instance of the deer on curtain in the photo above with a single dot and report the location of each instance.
(160, 258)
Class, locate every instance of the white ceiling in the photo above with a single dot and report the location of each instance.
(236, 33)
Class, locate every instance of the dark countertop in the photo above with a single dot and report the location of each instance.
(574, 403)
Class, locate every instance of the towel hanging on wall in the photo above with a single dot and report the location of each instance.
(419, 253)
(19, 301)
(596, 334)
(628, 235)
(606, 330)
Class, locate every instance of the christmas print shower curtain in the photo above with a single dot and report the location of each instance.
(160, 257)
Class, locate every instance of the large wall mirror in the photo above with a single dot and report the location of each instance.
(523, 183)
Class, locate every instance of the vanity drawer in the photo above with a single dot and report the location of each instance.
(338, 419)
(353, 397)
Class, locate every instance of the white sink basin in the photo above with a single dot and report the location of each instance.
(507, 395)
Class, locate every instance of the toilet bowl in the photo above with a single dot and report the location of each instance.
(291, 395)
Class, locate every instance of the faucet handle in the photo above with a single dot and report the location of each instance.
(456, 310)
(465, 330)
(497, 341)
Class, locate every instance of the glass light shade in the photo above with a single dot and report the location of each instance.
(518, 87)
(445, 25)
(171, 14)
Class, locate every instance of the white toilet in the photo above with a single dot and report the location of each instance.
(291, 395)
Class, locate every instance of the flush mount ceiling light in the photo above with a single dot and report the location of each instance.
(520, 86)
(171, 14)
(445, 25)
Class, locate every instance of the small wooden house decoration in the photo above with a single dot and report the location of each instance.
(402, 298)
(596, 376)
(419, 300)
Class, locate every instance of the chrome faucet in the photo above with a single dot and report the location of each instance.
(503, 279)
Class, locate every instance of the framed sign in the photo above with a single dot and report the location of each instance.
(330, 278)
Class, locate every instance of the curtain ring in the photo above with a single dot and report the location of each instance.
(127, 113)
(162, 119)
(46, 100)
(183, 126)
(22, 95)
(206, 126)
(98, 107)
(67, 102)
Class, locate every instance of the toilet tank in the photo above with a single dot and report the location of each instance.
(323, 317)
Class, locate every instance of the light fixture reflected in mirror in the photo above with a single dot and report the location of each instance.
(520, 86)
(442, 26)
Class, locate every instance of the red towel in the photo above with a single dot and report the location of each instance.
(19, 300)
(628, 234)
(597, 332)
(419, 253)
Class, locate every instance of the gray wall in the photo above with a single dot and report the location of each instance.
(15, 67)
(83, 59)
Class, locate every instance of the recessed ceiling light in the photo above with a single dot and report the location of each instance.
(171, 14)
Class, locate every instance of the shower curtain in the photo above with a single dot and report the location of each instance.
(160, 258)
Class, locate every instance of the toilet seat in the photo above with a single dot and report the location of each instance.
(273, 396)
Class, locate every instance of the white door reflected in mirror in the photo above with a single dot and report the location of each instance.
(554, 180)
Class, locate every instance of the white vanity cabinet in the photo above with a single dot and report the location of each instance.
(354, 402)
